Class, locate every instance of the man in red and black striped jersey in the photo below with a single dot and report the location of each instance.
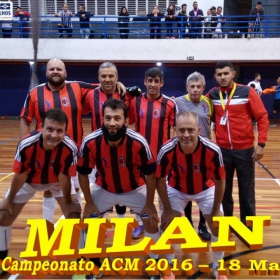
(44, 160)
(125, 169)
(153, 113)
(196, 173)
(234, 107)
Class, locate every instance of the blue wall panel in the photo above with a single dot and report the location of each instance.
(15, 79)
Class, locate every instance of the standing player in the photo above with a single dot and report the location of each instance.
(257, 84)
(196, 173)
(125, 168)
(153, 114)
(276, 103)
(44, 161)
(235, 105)
(196, 102)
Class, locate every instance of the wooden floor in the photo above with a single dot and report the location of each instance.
(267, 201)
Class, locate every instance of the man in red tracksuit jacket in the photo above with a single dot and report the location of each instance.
(234, 106)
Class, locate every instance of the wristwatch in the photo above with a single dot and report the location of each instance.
(261, 145)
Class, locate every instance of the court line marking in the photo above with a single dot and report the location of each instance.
(7, 176)
(277, 181)
(233, 256)
(9, 140)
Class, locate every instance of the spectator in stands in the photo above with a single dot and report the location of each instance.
(255, 19)
(257, 84)
(155, 23)
(195, 20)
(214, 19)
(170, 17)
(123, 23)
(183, 19)
(7, 29)
(218, 33)
(24, 21)
(84, 22)
(66, 24)
(207, 26)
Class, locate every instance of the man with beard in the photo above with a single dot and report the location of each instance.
(44, 160)
(195, 170)
(234, 107)
(108, 78)
(56, 93)
(125, 168)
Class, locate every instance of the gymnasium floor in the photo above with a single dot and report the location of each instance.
(267, 201)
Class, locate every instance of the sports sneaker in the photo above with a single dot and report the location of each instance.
(137, 232)
(91, 276)
(272, 125)
(154, 277)
(248, 36)
(78, 276)
(203, 232)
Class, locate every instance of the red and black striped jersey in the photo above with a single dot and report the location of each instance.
(44, 166)
(190, 173)
(94, 102)
(120, 169)
(70, 99)
(153, 119)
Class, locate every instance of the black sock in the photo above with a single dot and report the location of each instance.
(188, 212)
(274, 118)
(120, 209)
(3, 254)
(201, 219)
(96, 261)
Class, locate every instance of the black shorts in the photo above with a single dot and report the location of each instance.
(276, 105)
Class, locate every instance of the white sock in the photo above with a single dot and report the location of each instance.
(82, 237)
(5, 237)
(79, 197)
(155, 237)
(138, 219)
(218, 255)
(49, 204)
(120, 215)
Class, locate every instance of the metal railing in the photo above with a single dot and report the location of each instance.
(140, 27)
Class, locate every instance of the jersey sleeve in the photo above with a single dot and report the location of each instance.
(28, 110)
(87, 102)
(145, 159)
(20, 161)
(172, 115)
(69, 163)
(86, 161)
(217, 166)
(163, 164)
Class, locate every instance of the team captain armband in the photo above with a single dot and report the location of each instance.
(149, 168)
(134, 91)
(84, 170)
